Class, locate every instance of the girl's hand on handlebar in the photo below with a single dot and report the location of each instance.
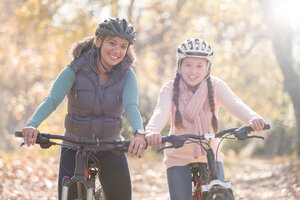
(153, 139)
(29, 134)
(257, 124)
(137, 144)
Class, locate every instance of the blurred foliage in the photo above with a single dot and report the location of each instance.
(36, 37)
(281, 141)
(234, 145)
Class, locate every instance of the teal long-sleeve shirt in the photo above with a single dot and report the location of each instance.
(63, 84)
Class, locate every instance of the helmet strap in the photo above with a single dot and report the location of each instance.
(208, 73)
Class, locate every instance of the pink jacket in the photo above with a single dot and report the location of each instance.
(223, 96)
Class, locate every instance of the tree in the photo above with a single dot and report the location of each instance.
(282, 37)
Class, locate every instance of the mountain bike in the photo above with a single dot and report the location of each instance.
(87, 167)
(207, 186)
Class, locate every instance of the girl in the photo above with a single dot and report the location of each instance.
(99, 83)
(193, 99)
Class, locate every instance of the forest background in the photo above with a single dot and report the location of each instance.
(256, 44)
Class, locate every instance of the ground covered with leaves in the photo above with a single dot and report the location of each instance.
(28, 175)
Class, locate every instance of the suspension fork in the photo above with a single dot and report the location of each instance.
(80, 177)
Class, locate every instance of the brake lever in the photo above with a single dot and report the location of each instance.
(242, 133)
(44, 142)
(256, 136)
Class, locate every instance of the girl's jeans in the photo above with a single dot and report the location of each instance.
(114, 174)
(180, 180)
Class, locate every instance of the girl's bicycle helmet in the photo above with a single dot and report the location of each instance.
(117, 27)
(195, 47)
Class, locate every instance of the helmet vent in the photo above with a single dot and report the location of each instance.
(203, 46)
(190, 45)
(194, 47)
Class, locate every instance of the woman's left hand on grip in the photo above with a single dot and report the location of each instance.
(137, 144)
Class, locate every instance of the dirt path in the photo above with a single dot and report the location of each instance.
(255, 179)
(252, 179)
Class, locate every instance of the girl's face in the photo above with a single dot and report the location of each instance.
(193, 70)
(113, 50)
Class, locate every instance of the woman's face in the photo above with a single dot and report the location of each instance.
(113, 50)
(193, 70)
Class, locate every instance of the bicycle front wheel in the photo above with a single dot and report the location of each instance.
(218, 194)
(98, 190)
(99, 195)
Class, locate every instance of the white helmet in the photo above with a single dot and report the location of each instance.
(194, 47)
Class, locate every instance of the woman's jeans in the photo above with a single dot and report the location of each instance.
(114, 174)
(180, 180)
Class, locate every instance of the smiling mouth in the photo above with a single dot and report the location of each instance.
(113, 57)
(193, 77)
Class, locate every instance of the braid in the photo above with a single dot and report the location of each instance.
(178, 117)
(214, 119)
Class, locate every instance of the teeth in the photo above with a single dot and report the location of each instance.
(193, 77)
(114, 57)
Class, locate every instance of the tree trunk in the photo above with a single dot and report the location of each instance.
(115, 8)
(281, 36)
(130, 10)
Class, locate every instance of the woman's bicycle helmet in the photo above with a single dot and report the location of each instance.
(117, 27)
(194, 47)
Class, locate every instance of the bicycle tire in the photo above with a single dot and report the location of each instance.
(211, 195)
(98, 190)
(99, 195)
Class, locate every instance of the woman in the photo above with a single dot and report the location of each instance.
(193, 99)
(99, 84)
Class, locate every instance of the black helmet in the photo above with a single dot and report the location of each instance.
(117, 27)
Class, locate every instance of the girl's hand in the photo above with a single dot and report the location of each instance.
(257, 124)
(29, 134)
(153, 139)
(137, 144)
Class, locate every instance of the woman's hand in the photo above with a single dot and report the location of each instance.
(257, 123)
(137, 144)
(29, 134)
(153, 139)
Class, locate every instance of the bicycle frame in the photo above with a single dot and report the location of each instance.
(85, 181)
(205, 188)
(204, 183)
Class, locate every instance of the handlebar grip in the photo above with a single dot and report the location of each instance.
(18, 134)
(266, 127)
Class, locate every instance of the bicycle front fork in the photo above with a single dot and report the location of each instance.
(81, 178)
(66, 182)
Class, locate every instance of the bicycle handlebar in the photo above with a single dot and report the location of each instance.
(240, 133)
(43, 139)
